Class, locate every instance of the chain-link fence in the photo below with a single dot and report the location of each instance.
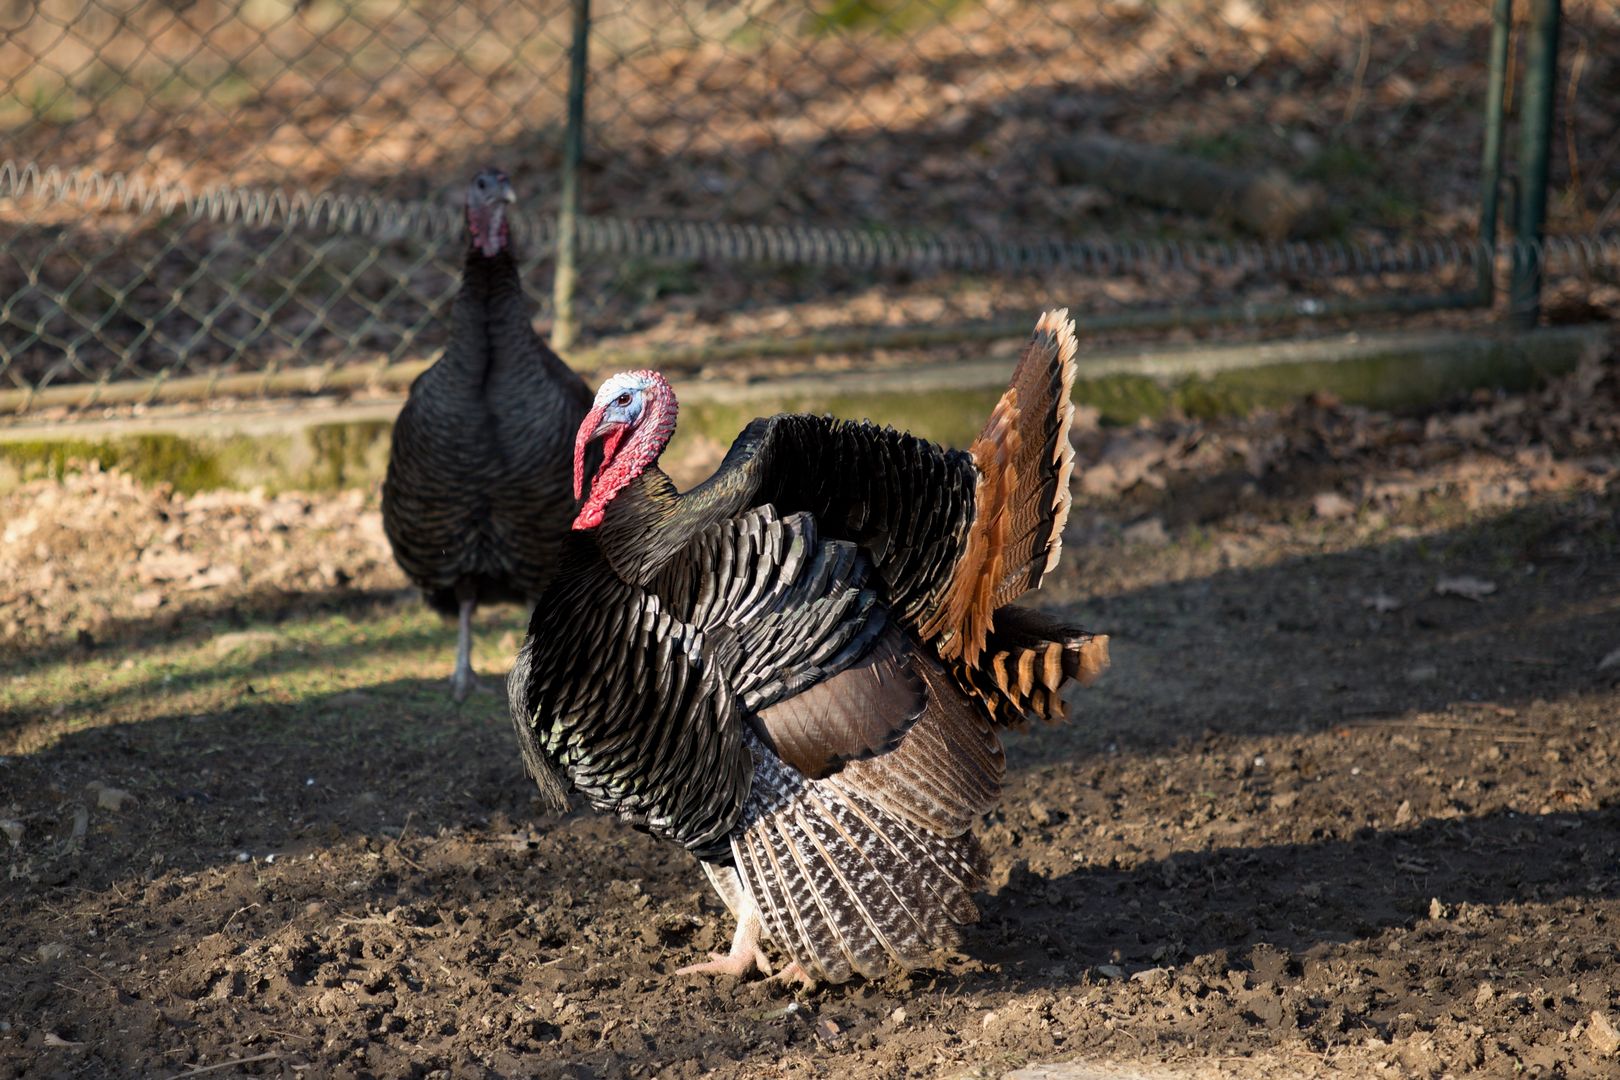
(227, 196)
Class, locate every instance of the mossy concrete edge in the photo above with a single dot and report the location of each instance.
(325, 446)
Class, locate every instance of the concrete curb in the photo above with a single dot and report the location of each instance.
(319, 444)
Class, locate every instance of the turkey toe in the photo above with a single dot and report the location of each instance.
(737, 965)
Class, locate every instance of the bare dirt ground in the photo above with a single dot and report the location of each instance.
(1345, 806)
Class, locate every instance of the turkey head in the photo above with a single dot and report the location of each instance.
(633, 416)
(488, 196)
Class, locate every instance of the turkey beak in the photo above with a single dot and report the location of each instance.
(604, 426)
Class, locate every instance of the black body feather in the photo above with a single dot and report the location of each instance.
(476, 502)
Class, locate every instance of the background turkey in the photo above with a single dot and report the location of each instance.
(476, 500)
(797, 669)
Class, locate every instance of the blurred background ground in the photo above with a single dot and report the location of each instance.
(1346, 804)
(944, 120)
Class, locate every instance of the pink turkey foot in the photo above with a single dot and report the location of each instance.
(794, 973)
(745, 954)
(736, 965)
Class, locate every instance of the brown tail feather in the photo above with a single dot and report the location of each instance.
(1028, 660)
(1044, 462)
(1022, 499)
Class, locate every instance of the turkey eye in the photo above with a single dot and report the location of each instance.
(622, 399)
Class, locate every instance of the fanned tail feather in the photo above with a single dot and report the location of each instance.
(1022, 500)
(845, 887)
(1046, 457)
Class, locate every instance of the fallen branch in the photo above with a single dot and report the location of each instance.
(377, 920)
(1267, 203)
(222, 1065)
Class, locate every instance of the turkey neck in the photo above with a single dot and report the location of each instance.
(638, 526)
(489, 306)
(516, 360)
(491, 280)
(649, 522)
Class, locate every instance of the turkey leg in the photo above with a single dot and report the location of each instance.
(745, 952)
(463, 681)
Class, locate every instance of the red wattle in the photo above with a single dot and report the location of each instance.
(582, 440)
(610, 446)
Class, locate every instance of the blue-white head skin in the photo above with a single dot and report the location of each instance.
(621, 400)
(634, 416)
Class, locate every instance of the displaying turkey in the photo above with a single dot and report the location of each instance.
(798, 669)
(476, 501)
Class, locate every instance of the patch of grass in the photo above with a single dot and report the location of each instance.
(323, 457)
(1123, 399)
(1397, 380)
(39, 103)
(1338, 162)
(889, 17)
(299, 665)
(1234, 146)
(1389, 207)
(1369, 193)
(348, 455)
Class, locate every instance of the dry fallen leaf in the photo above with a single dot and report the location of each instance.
(156, 564)
(147, 600)
(828, 1031)
(214, 576)
(1100, 479)
(1469, 588)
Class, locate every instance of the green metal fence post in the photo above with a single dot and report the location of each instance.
(565, 324)
(1535, 155)
(1490, 184)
